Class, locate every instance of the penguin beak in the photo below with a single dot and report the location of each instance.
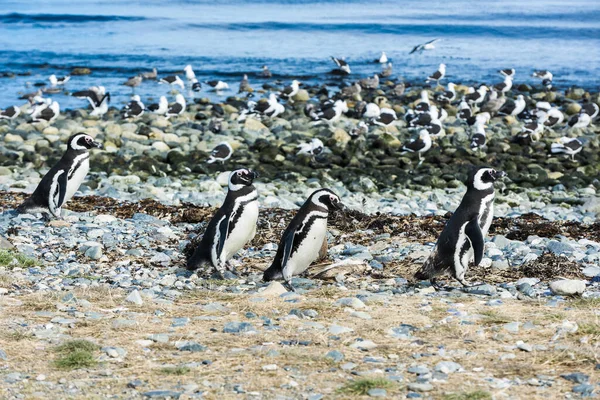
(254, 175)
(339, 205)
(97, 145)
(499, 175)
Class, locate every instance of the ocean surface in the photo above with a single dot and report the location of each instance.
(225, 39)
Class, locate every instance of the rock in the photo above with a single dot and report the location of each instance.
(420, 387)
(339, 330)
(135, 298)
(568, 287)
(3, 355)
(364, 345)
(192, 347)
(590, 271)
(377, 392)
(115, 352)
(512, 327)
(158, 337)
(5, 244)
(572, 109)
(335, 355)
(560, 248)
(352, 302)
(94, 252)
(302, 95)
(524, 346)
(275, 289)
(269, 367)
(448, 367)
(162, 394)
(576, 377)
(77, 71)
(253, 125)
(341, 137)
(10, 138)
(238, 327)
(484, 289)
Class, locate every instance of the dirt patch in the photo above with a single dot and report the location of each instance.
(549, 266)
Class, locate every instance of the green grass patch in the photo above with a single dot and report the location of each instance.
(13, 259)
(175, 371)
(476, 395)
(75, 354)
(362, 386)
(585, 302)
(589, 329)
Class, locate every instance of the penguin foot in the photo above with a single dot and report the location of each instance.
(288, 285)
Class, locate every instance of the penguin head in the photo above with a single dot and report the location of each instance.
(82, 141)
(241, 178)
(484, 178)
(327, 199)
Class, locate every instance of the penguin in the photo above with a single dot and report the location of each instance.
(63, 180)
(462, 240)
(303, 238)
(233, 225)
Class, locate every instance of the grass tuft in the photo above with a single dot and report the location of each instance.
(362, 386)
(476, 395)
(13, 259)
(175, 370)
(75, 354)
(77, 345)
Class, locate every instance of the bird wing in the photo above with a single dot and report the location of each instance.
(432, 41)
(415, 145)
(473, 232)
(60, 190)
(288, 244)
(223, 228)
(415, 48)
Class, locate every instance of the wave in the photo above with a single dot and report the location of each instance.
(454, 30)
(17, 18)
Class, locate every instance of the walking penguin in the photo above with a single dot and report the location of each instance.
(303, 238)
(233, 225)
(63, 180)
(462, 239)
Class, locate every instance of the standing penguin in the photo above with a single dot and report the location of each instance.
(232, 226)
(462, 240)
(62, 181)
(303, 238)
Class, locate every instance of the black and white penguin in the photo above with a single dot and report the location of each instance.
(233, 225)
(173, 80)
(63, 180)
(303, 238)
(462, 240)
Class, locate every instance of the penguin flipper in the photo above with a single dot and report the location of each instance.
(223, 231)
(288, 244)
(473, 232)
(61, 188)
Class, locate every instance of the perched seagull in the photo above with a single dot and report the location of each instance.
(507, 72)
(343, 67)
(477, 96)
(478, 138)
(290, 91)
(351, 90)
(11, 112)
(271, 108)
(542, 74)
(387, 70)
(134, 109)
(425, 46)
(551, 116)
(93, 95)
(333, 113)
(221, 153)
(504, 86)
(161, 108)
(513, 108)
(176, 108)
(101, 108)
(580, 120)
(40, 105)
(371, 110)
(196, 86)
(464, 111)
(313, 148)
(217, 85)
(438, 75)
(244, 85)
(150, 75)
(570, 146)
(419, 145)
(173, 80)
(590, 109)
(494, 103)
(54, 81)
(423, 105)
(265, 73)
(32, 97)
(447, 96)
(133, 82)
(359, 130)
(47, 114)
(370, 83)
(189, 73)
(386, 118)
(382, 59)
(532, 130)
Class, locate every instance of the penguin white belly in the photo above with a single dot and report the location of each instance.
(308, 250)
(244, 231)
(77, 178)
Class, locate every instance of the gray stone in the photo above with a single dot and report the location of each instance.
(135, 298)
(350, 302)
(524, 346)
(484, 289)
(12, 377)
(3, 355)
(501, 241)
(591, 271)
(94, 252)
(420, 387)
(123, 323)
(338, 330)
(192, 347)
(377, 392)
(159, 337)
(576, 377)
(115, 352)
(364, 345)
(512, 327)
(448, 367)
(559, 248)
(335, 355)
(162, 394)
(567, 287)
(179, 322)
(238, 327)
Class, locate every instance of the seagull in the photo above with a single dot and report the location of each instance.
(513, 108)
(176, 108)
(476, 96)
(11, 112)
(507, 72)
(386, 118)
(290, 91)
(48, 113)
(552, 116)
(31, 97)
(360, 129)
(425, 46)
(387, 71)
(419, 145)
(370, 83)
(570, 146)
(382, 59)
(150, 75)
(173, 80)
(532, 130)
(189, 73)
(580, 120)
(478, 138)
(351, 90)
(590, 109)
(423, 105)
(372, 110)
(54, 81)
(244, 85)
(313, 148)
(196, 86)
(343, 67)
(271, 107)
(438, 75)
(543, 74)
(217, 85)
(93, 95)
(222, 152)
(494, 103)
(102, 107)
(333, 113)
(265, 73)
(134, 109)
(447, 96)
(464, 111)
(133, 81)
(504, 86)
(161, 108)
